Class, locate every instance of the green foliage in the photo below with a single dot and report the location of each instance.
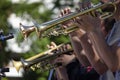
(95, 1)
(60, 39)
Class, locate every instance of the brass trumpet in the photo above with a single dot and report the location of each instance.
(41, 60)
(41, 29)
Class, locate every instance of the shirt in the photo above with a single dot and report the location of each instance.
(112, 38)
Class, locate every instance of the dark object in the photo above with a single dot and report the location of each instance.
(78, 72)
(2, 70)
(6, 37)
(109, 23)
(1, 32)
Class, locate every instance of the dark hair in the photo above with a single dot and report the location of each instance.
(78, 72)
(109, 22)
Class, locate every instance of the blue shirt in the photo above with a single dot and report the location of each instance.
(112, 38)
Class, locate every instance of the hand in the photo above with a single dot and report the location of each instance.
(88, 23)
(69, 23)
(65, 12)
(64, 59)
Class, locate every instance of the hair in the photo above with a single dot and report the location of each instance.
(109, 22)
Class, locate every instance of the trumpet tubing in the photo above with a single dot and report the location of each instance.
(42, 28)
(41, 60)
(44, 64)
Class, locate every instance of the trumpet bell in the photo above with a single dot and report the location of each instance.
(26, 30)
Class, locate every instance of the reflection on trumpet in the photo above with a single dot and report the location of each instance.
(26, 30)
(41, 29)
(42, 60)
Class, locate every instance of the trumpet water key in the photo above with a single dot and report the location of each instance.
(42, 29)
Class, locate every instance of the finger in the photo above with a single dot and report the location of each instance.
(51, 47)
(80, 5)
(61, 49)
(67, 10)
(88, 4)
(65, 47)
(53, 44)
(64, 26)
(60, 16)
(78, 19)
(68, 46)
(48, 46)
(62, 12)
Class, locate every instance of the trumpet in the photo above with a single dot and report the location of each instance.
(41, 29)
(42, 60)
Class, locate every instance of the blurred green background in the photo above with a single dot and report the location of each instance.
(12, 12)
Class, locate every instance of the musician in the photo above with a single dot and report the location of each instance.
(109, 49)
(83, 49)
(61, 72)
(104, 31)
(72, 70)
